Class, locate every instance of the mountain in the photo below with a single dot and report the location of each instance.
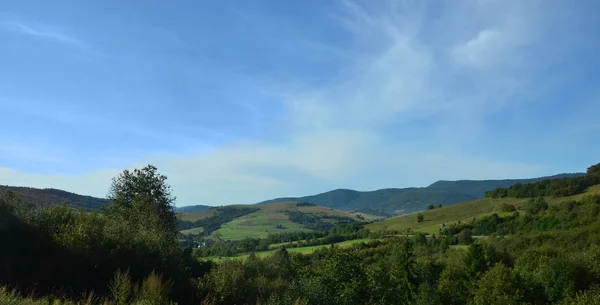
(51, 197)
(477, 188)
(192, 208)
(394, 201)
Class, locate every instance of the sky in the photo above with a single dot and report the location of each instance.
(243, 101)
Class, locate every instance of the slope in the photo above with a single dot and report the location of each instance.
(394, 201)
(464, 212)
(50, 197)
(280, 217)
(477, 188)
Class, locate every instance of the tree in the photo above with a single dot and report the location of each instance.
(499, 285)
(143, 197)
(420, 217)
(439, 205)
(475, 262)
(430, 207)
(465, 237)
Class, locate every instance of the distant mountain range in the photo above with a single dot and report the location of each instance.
(192, 208)
(51, 197)
(394, 201)
(384, 202)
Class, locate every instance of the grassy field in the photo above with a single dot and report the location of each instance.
(192, 231)
(302, 250)
(271, 218)
(196, 215)
(433, 219)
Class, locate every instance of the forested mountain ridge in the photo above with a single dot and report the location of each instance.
(387, 202)
(559, 187)
(50, 197)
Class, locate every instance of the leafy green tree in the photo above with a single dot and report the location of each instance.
(431, 207)
(451, 286)
(420, 217)
(143, 196)
(403, 272)
(505, 207)
(465, 237)
(594, 169)
(475, 262)
(499, 285)
(588, 297)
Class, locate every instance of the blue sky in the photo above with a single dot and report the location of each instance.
(242, 101)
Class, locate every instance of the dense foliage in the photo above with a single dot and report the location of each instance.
(560, 187)
(62, 251)
(532, 253)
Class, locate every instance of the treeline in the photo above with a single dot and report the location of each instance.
(552, 187)
(317, 221)
(535, 215)
(554, 268)
(305, 204)
(214, 222)
(61, 252)
(226, 248)
(128, 254)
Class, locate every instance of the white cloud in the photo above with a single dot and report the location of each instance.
(19, 24)
(43, 32)
(336, 135)
(95, 183)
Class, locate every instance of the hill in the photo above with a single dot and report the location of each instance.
(237, 222)
(464, 212)
(478, 188)
(192, 208)
(394, 201)
(51, 197)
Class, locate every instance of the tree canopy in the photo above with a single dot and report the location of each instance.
(143, 197)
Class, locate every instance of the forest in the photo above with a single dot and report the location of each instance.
(130, 253)
(550, 187)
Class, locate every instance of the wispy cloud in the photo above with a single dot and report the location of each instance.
(47, 32)
(417, 89)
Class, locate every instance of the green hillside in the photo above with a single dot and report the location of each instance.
(51, 197)
(540, 250)
(265, 219)
(395, 201)
(464, 212)
(478, 188)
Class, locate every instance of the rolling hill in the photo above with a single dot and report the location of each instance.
(50, 197)
(261, 220)
(397, 201)
(465, 211)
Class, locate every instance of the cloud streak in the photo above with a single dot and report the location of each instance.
(406, 109)
(42, 31)
(45, 32)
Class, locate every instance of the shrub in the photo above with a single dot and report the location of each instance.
(505, 207)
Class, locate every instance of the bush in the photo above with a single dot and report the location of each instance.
(505, 207)
(465, 237)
